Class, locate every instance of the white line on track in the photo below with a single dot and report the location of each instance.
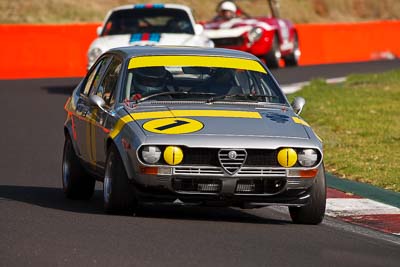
(339, 224)
(294, 87)
(356, 206)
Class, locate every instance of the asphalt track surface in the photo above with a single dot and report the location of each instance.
(39, 227)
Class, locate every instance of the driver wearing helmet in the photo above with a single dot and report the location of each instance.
(226, 11)
(148, 81)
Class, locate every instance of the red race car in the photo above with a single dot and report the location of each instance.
(270, 38)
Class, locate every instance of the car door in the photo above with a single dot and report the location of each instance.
(83, 123)
(103, 120)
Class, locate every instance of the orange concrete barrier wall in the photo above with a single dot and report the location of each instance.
(35, 51)
(333, 43)
(38, 51)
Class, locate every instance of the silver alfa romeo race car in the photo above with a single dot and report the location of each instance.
(180, 125)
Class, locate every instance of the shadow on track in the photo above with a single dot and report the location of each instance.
(62, 90)
(53, 198)
(200, 213)
(50, 197)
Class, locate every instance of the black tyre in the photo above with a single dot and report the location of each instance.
(77, 184)
(314, 212)
(273, 57)
(293, 58)
(118, 194)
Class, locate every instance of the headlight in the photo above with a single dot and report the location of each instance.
(210, 43)
(173, 155)
(151, 154)
(287, 157)
(255, 34)
(307, 157)
(93, 55)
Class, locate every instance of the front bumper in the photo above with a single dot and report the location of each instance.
(246, 188)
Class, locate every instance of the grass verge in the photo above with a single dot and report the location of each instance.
(359, 123)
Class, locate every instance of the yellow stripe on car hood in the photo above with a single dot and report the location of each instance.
(196, 61)
(196, 113)
(300, 121)
(119, 125)
(182, 113)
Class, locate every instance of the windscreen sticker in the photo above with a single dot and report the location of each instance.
(173, 126)
(139, 6)
(196, 61)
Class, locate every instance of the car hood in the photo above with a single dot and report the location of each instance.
(108, 42)
(236, 27)
(219, 121)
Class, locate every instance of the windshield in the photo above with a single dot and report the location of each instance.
(199, 83)
(149, 20)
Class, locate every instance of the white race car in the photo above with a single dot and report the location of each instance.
(147, 24)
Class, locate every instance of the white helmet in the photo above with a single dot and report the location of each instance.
(228, 5)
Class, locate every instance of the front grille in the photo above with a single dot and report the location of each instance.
(233, 41)
(260, 186)
(209, 157)
(256, 186)
(261, 157)
(267, 172)
(200, 156)
(218, 171)
(200, 170)
(197, 185)
(232, 159)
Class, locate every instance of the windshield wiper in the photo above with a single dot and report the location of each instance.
(172, 93)
(246, 96)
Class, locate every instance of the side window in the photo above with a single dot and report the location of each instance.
(94, 77)
(99, 75)
(90, 79)
(107, 88)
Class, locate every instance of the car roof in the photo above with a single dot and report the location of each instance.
(134, 51)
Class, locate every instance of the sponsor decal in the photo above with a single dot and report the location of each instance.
(173, 126)
(276, 117)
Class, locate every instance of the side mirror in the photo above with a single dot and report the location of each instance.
(97, 101)
(298, 104)
(198, 29)
(99, 30)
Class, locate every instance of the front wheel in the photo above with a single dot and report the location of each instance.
(118, 194)
(273, 57)
(77, 183)
(292, 59)
(314, 212)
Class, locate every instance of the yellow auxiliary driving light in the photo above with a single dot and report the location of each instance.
(173, 155)
(287, 157)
